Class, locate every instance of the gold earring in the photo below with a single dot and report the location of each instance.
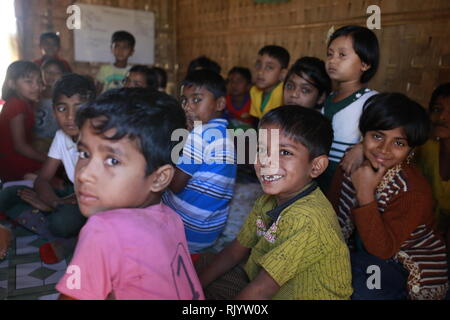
(410, 157)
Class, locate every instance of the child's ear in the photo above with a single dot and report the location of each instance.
(365, 67)
(162, 177)
(283, 74)
(319, 165)
(221, 103)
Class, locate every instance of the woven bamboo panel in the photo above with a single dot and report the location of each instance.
(37, 16)
(414, 35)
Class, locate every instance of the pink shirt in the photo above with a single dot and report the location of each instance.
(132, 254)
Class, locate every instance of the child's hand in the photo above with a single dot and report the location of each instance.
(365, 179)
(70, 199)
(5, 241)
(353, 159)
(33, 199)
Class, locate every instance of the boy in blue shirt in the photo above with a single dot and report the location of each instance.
(203, 185)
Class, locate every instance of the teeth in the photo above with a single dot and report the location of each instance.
(271, 178)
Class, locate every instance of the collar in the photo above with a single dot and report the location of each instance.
(275, 213)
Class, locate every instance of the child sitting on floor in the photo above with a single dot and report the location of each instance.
(204, 180)
(21, 91)
(385, 206)
(352, 60)
(132, 246)
(270, 71)
(292, 235)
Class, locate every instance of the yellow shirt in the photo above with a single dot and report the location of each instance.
(428, 161)
(303, 251)
(275, 100)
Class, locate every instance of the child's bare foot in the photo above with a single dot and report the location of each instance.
(5, 241)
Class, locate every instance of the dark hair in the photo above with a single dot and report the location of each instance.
(50, 35)
(161, 74)
(387, 111)
(277, 52)
(365, 44)
(148, 117)
(16, 70)
(203, 62)
(304, 125)
(56, 62)
(123, 36)
(314, 69)
(210, 80)
(245, 72)
(442, 90)
(72, 84)
(151, 77)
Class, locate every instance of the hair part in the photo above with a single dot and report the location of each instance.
(125, 36)
(147, 117)
(303, 125)
(388, 111)
(278, 53)
(365, 44)
(16, 70)
(210, 80)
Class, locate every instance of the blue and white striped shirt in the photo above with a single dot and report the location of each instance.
(209, 158)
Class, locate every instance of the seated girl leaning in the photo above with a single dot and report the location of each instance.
(385, 207)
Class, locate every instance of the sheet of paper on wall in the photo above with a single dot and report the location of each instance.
(92, 41)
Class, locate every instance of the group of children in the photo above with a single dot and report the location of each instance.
(342, 191)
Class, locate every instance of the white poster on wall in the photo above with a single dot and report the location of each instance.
(92, 41)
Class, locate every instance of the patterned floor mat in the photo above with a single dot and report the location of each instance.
(23, 276)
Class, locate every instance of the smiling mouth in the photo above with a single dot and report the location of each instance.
(271, 178)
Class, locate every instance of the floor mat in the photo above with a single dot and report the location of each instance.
(23, 276)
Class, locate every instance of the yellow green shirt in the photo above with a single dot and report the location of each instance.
(303, 251)
(275, 100)
(428, 161)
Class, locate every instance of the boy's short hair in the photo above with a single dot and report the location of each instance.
(276, 52)
(245, 72)
(304, 125)
(204, 62)
(147, 117)
(313, 68)
(365, 44)
(56, 62)
(72, 84)
(387, 111)
(150, 75)
(210, 80)
(442, 90)
(161, 74)
(123, 36)
(50, 35)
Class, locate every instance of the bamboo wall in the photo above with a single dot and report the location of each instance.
(414, 35)
(38, 16)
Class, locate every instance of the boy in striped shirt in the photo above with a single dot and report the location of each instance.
(203, 184)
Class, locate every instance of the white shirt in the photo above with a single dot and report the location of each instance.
(63, 148)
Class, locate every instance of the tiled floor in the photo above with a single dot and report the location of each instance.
(23, 276)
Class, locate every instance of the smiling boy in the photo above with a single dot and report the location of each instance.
(292, 237)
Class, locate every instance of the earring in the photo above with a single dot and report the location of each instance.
(410, 157)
